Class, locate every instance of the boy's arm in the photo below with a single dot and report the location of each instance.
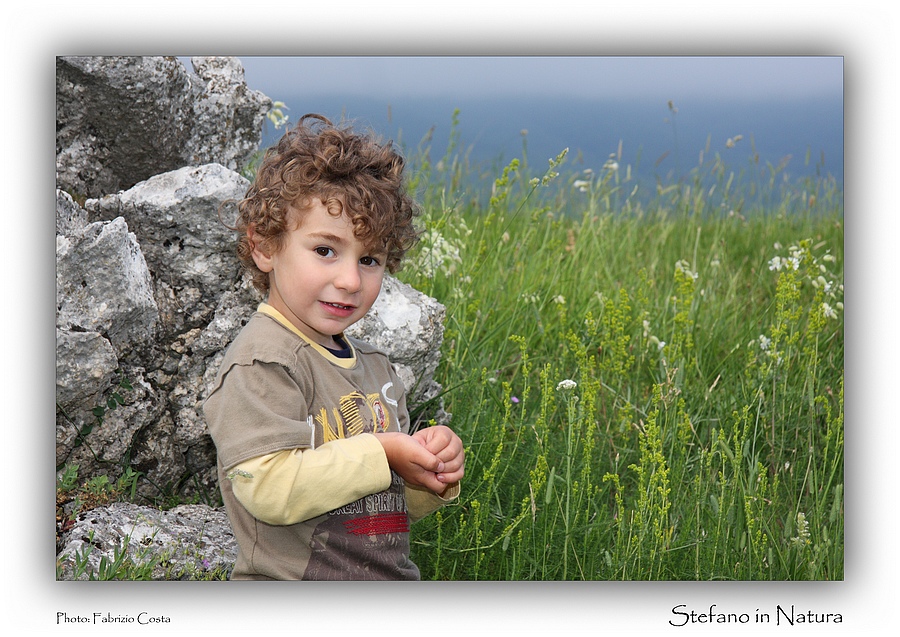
(294, 485)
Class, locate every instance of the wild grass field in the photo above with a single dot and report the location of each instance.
(649, 384)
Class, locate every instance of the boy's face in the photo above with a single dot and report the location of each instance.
(324, 279)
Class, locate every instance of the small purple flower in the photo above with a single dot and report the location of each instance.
(515, 400)
(205, 563)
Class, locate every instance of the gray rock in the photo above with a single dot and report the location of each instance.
(85, 368)
(187, 542)
(70, 217)
(103, 285)
(227, 115)
(104, 445)
(188, 248)
(121, 120)
(203, 350)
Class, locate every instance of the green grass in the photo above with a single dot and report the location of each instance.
(703, 436)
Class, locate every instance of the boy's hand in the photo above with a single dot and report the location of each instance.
(446, 445)
(417, 464)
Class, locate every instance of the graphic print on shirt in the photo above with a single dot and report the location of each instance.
(355, 414)
(366, 539)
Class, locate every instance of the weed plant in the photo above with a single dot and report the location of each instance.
(649, 385)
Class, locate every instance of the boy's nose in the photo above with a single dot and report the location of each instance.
(348, 278)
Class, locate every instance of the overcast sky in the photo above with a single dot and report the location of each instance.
(665, 77)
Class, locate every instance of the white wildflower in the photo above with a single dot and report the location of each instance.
(802, 537)
(581, 185)
(559, 300)
(764, 342)
(685, 268)
(438, 254)
(276, 114)
(828, 311)
(567, 384)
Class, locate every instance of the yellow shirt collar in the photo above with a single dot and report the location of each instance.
(346, 363)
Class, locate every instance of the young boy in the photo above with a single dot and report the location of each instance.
(318, 473)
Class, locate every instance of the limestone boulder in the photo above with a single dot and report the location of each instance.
(123, 119)
(181, 219)
(189, 542)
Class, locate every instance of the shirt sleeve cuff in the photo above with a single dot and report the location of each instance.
(421, 502)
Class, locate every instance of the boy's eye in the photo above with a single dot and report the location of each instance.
(324, 251)
(370, 261)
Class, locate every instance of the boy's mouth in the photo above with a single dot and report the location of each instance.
(339, 305)
(339, 309)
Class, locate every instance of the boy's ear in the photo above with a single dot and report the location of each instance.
(261, 256)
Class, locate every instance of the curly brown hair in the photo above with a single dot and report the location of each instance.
(351, 173)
